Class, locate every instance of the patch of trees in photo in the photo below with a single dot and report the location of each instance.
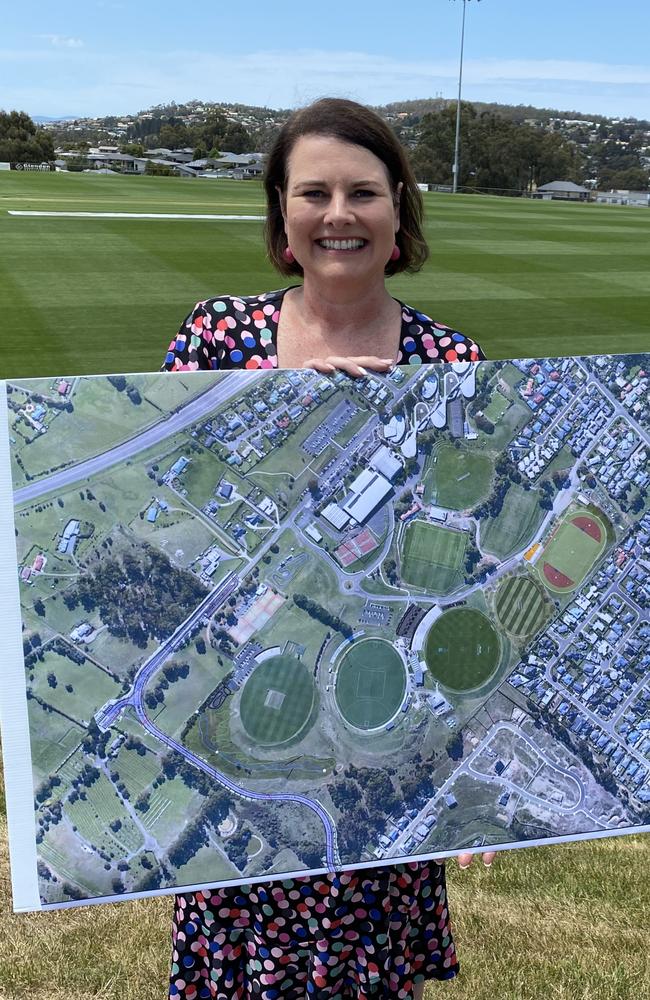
(197, 833)
(514, 157)
(139, 594)
(207, 138)
(367, 798)
(120, 383)
(505, 474)
(321, 614)
(286, 824)
(171, 672)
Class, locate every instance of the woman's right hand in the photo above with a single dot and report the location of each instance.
(355, 367)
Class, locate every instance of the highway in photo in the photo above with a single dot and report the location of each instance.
(196, 409)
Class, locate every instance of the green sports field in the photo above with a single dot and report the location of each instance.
(571, 552)
(514, 525)
(432, 557)
(370, 683)
(520, 605)
(277, 700)
(462, 649)
(99, 294)
(456, 477)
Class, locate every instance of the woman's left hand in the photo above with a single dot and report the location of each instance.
(465, 860)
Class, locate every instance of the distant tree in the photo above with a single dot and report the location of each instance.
(21, 141)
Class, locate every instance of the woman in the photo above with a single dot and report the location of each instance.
(344, 211)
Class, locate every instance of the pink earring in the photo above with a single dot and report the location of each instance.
(287, 253)
(396, 253)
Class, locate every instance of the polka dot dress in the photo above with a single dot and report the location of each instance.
(241, 332)
(345, 935)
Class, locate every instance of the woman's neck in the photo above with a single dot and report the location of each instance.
(317, 321)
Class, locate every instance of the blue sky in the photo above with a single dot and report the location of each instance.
(93, 57)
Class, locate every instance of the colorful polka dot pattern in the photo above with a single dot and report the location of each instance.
(240, 332)
(345, 935)
(334, 937)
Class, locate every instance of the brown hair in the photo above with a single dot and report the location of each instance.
(356, 124)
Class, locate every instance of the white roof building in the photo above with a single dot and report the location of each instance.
(313, 533)
(366, 493)
(335, 515)
(385, 462)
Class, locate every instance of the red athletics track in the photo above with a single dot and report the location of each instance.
(556, 578)
(587, 525)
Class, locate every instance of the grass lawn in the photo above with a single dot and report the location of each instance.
(462, 649)
(513, 418)
(370, 683)
(496, 407)
(555, 906)
(432, 557)
(457, 477)
(101, 295)
(170, 805)
(180, 534)
(277, 700)
(206, 864)
(202, 476)
(91, 687)
(515, 525)
(289, 622)
(53, 738)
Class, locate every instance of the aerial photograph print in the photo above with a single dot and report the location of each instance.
(325, 500)
(288, 622)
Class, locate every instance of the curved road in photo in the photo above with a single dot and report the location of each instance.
(135, 700)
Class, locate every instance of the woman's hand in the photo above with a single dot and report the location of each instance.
(355, 367)
(465, 860)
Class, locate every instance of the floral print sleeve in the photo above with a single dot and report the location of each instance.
(193, 347)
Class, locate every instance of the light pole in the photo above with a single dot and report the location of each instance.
(456, 164)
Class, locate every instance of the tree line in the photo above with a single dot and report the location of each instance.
(499, 151)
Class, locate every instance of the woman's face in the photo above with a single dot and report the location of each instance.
(340, 211)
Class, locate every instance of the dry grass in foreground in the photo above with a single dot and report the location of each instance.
(556, 923)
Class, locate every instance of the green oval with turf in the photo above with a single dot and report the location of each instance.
(277, 700)
(370, 683)
(462, 649)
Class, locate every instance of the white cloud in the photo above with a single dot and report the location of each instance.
(116, 84)
(63, 41)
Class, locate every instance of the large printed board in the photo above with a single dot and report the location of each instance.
(270, 623)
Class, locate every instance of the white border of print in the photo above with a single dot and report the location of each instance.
(19, 788)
